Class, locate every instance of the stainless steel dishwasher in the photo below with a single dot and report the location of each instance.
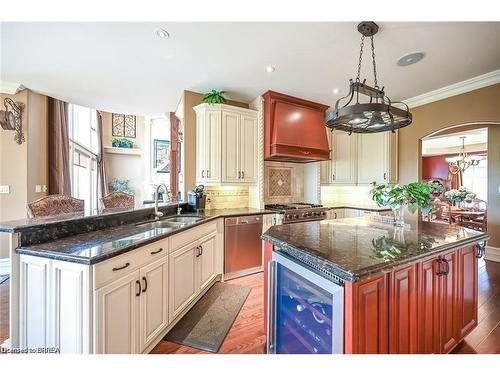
(243, 246)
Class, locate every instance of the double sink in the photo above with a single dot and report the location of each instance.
(171, 222)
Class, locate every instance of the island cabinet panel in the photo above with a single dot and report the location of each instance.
(366, 316)
(428, 306)
(268, 256)
(449, 303)
(467, 290)
(403, 310)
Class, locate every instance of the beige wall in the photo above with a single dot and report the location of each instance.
(126, 167)
(191, 99)
(26, 165)
(477, 106)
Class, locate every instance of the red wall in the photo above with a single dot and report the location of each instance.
(434, 167)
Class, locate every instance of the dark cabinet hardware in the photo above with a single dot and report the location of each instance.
(239, 174)
(145, 284)
(201, 250)
(447, 269)
(333, 177)
(242, 174)
(385, 176)
(208, 173)
(137, 282)
(203, 173)
(157, 251)
(122, 267)
(480, 250)
(439, 271)
(198, 253)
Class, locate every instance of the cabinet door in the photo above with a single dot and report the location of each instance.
(467, 275)
(213, 146)
(325, 166)
(231, 171)
(248, 149)
(116, 316)
(366, 317)
(448, 304)
(403, 311)
(343, 169)
(154, 301)
(182, 275)
(201, 146)
(428, 307)
(206, 261)
(372, 158)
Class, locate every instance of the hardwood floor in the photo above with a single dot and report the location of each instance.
(247, 335)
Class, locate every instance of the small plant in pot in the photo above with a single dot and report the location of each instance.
(460, 196)
(122, 143)
(415, 195)
(215, 97)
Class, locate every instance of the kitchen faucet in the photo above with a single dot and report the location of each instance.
(179, 209)
(158, 213)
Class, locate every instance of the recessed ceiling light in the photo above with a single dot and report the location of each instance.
(270, 69)
(410, 58)
(162, 33)
(335, 91)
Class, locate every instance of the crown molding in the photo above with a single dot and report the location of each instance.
(458, 88)
(10, 88)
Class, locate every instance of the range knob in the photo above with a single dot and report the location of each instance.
(289, 216)
(296, 216)
(323, 213)
(307, 214)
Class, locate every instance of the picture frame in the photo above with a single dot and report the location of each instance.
(161, 156)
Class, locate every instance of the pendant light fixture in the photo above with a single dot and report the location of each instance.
(375, 115)
(462, 161)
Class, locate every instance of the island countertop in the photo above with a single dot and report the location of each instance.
(355, 248)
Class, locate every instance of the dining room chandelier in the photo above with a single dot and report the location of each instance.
(463, 160)
(376, 114)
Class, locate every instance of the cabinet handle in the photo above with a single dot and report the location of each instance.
(333, 177)
(197, 251)
(274, 221)
(208, 173)
(385, 175)
(439, 272)
(122, 267)
(139, 290)
(145, 284)
(157, 251)
(202, 173)
(447, 270)
(201, 250)
(239, 175)
(480, 250)
(242, 174)
(335, 215)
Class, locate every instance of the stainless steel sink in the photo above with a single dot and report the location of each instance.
(171, 222)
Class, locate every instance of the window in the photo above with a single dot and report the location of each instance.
(476, 179)
(84, 146)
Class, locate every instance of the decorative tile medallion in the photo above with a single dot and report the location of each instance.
(280, 182)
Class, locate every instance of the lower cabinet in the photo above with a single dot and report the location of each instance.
(425, 307)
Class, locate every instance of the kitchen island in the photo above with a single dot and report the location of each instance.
(403, 290)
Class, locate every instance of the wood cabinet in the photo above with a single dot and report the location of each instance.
(239, 151)
(226, 139)
(366, 316)
(425, 307)
(360, 159)
(192, 269)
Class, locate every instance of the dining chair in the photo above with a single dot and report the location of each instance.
(118, 199)
(479, 222)
(441, 211)
(55, 204)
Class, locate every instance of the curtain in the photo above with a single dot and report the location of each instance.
(456, 179)
(59, 172)
(102, 187)
(174, 155)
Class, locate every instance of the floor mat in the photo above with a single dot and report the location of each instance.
(206, 325)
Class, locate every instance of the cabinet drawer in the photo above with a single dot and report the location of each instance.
(116, 267)
(189, 236)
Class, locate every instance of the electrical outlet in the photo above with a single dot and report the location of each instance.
(38, 188)
(44, 188)
(4, 189)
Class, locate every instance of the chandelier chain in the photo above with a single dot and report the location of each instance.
(374, 64)
(360, 57)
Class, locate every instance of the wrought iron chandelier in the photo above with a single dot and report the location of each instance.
(374, 116)
(462, 161)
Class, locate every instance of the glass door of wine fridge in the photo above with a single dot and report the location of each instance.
(306, 310)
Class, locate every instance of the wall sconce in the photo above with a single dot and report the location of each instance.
(11, 118)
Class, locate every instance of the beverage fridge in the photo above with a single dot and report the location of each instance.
(305, 310)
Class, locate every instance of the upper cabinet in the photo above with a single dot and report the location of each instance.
(360, 159)
(226, 144)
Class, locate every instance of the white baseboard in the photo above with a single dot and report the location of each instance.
(5, 266)
(492, 253)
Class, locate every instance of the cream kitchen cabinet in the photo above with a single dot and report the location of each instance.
(192, 268)
(226, 144)
(360, 159)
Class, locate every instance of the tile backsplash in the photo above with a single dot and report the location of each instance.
(335, 195)
(221, 197)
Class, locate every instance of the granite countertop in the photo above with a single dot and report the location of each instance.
(358, 207)
(96, 246)
(355, 248)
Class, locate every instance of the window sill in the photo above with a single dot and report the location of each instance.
(122, 151)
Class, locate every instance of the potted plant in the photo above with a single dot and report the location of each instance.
(122, 143)
(214, 97)
(415, 195)
(460, 196)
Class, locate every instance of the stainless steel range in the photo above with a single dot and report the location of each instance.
(299, 212)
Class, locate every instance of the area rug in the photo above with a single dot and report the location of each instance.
(206, 325)
(3, 278)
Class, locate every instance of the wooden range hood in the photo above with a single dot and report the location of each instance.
(294, 129)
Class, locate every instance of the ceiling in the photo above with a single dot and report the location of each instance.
(475, 140)
(125, 67)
